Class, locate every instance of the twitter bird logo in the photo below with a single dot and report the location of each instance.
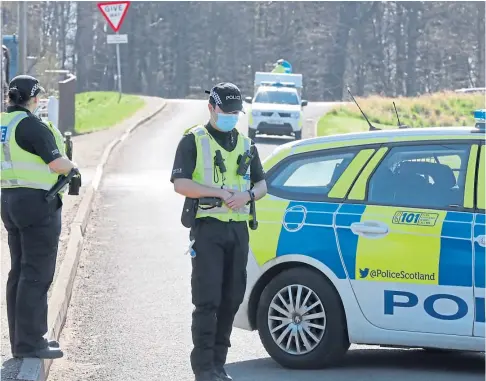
(363, 273)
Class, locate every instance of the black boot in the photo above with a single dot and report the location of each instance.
(206, 376)
(221, 374)
(50, 343)
(44, 353)
(53, 343)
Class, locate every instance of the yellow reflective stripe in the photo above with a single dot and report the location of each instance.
(481, 190)
(402, 250)
(341, 188)
(359, 189)
(264, 241)
(16, 176)
(24, 183)
(25, 166)
(207, 160)
(470, 176)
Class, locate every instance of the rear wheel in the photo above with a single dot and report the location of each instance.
(301, 321)
(251, 133)
(298, 135)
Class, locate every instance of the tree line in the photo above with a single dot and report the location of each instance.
(178, 49)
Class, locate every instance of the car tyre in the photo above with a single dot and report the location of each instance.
(251, 133)
(333, 343)
(298, 135)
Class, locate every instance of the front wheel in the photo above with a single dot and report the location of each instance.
(298, 135)
(251, 133)
(301, 321)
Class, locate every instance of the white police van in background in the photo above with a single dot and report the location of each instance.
(277, 106)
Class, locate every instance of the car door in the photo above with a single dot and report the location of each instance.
(479, 252)
(304, 193)
(405, 237)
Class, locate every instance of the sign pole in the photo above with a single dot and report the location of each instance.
(118, 64)
(115, 12)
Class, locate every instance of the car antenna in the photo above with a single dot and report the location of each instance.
(400, 125)
(372, 128)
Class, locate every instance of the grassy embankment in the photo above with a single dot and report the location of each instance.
(434, 110)
(100, 110)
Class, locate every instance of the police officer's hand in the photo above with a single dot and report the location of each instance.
(238, 200)
(225, 194)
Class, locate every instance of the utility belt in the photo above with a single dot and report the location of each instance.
(191, 206)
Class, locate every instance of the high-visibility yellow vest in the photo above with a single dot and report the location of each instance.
(206, 173)
(19, 168)
(278, 69)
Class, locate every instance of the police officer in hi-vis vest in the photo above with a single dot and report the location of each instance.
(33, 156)
(279, 68)
(207, 165)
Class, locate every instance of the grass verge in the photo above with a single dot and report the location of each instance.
(100, 110)
(432, 110)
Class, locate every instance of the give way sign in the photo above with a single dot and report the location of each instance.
(114, 12)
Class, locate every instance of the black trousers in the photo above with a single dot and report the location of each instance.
(33, 227)
(218, 287)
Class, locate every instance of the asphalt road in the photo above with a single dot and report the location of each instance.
(129, 318)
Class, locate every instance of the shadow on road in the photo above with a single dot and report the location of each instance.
(372, 364)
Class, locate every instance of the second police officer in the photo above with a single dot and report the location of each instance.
(32, 158)
(207, 165)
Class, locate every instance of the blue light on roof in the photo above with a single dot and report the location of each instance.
(278, 84)
(480, 115)
(480, 118)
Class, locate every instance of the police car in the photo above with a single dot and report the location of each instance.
(370, 238)
(277, 107)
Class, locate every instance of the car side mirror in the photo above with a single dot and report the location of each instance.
(304, 103)
(248, 99)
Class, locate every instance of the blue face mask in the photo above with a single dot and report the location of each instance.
(226, 122)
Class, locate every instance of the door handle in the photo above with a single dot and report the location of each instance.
(370, 229)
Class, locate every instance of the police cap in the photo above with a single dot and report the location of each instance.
(27, 86)
(227, 96)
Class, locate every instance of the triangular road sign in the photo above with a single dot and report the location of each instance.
(114, 12)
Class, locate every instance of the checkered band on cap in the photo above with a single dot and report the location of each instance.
(216, 97)
(34, 89)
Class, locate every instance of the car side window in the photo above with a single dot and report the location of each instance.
(430, 176)
(310, 178)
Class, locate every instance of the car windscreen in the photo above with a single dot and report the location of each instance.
(277, 97)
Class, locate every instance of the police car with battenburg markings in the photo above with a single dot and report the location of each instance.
(370, 238)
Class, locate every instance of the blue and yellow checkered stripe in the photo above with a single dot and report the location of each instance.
(445, 249)
(479, 253)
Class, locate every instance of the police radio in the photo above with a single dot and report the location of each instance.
(244, 162)
(219, 161)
